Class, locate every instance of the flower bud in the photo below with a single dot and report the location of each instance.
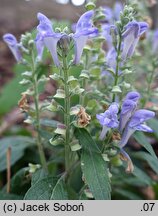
(33, 167)
(64, 44)
(90, 6)
(61, 129)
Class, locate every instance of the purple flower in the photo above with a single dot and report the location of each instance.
(126, 157)
(111, 58)
(84, 29)
(134, 96)
(46, 36)
(73, 27)
(118, 7)
(133, 31)
(106, 32)
(108, 14)
(112, 15)
(136, 123)
(43, 19)
(155, 42)
(108, 119)
(111, 61)
(128, 108)
(13, 46)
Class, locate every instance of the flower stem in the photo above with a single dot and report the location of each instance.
(106, 143)
(67, 113)
(150, 83)
(84, 81)
(36, 97)
(117, 66)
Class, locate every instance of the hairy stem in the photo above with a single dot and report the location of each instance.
(84, 82)
(37, 125)
(66, 114)
(117, 66)
(150, 83)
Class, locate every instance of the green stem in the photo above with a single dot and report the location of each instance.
(66, 114)
(36, 98)
(84, 82)
(148, 91)
(82, 96)
(117, 66)
(107, 141)
(150, 83)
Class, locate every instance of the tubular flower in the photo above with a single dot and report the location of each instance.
(111, 61)
(111, 58)
(108, 119)
(124, 156)
(47, 37)
(133, 31)
(128, 107)
(112, 15)
(84, 29)
(118, 7)
(155, 42)
(108, 14)
(12, 43)
(137, 122)
(130, 121)
(106, 32)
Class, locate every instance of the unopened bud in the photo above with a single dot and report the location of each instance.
(61, 129)
(90, 6)
(64, 44)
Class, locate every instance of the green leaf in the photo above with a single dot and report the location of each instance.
(93, 166)
(82, 134)
(20, 182)
(5, 196)
(142, 176)
(134, 181)
(72, 194)
(153, 123)
(60, 191)
(37, 176)
(152, 161)
(121, 178)
(11, 92)
(41, 190)
(128, 194)
(142, 140)
(49, 123)
(18, 144)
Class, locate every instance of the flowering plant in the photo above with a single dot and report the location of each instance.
(95, 109)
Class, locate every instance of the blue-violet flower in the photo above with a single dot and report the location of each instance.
(128, 108)
(84, 29)
(108, 119)
(133, 31)
(46, 36)
(155, 42)
(136, 123)
(13, 46)
(118, 7)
